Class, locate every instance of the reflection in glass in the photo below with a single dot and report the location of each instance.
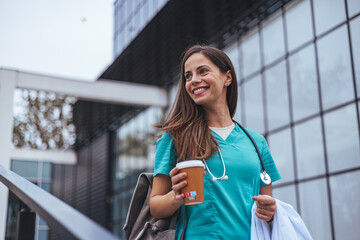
(355, 41)
(254, 112)
(353, 7)
(342, 138)
(328, 14)
(43, 235)
(233, 52)
(298, 24)
(286, 194)
(134, 139)
(345, 194)
(335, 68)
(42, 222)
(274, 46)
(304, 86)
(250, 49)
(277, 99)
(280, 145)
(46, 186)
(309, 149)
(314, 205)
(46, 170)
(26, 169)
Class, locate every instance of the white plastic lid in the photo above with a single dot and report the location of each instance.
(190, 163)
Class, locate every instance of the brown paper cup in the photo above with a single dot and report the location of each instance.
(194, 191)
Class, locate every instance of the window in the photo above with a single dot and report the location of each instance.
(277, 98)
(353, 7)
(286, 194)
(254, 111)
(314, 205)
(342, 138)
(38, 173)
(309, 149)
(250, 50)
(280, 145)
(274, 45)
(355, 43)
(345, 194)
(298, 24)
(328, 14)
(335, 68)
(304, 85)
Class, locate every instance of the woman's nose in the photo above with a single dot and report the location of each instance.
(196, 78)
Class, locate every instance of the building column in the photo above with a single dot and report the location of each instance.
(7, 90)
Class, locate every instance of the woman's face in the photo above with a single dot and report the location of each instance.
(205, 83)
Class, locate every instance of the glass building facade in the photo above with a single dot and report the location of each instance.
(39, 173)
(299, 88)
(131, 16)
(299, 84)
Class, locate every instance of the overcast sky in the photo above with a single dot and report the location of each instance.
(67, 38)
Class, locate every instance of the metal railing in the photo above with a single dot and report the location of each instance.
(65, 220)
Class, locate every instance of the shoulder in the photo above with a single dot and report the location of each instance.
(258, 138)
(165, 141)
(165, 137)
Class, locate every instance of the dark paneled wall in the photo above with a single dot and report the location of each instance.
(86, 185)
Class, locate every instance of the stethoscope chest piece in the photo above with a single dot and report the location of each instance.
(265, 177)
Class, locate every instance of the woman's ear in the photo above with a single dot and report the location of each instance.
(228, 79)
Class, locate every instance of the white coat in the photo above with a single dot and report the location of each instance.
(287, 225)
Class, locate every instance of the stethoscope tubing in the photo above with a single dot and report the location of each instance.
(264, 176)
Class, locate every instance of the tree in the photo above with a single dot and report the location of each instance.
(43, 120)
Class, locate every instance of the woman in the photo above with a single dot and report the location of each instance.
(200, 126)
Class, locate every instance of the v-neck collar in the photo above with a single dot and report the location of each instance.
(229, 138)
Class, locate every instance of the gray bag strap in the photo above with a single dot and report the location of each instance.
(137, 201)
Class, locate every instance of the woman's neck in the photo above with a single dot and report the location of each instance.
(218, 117)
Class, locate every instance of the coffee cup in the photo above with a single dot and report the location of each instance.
(194, 190)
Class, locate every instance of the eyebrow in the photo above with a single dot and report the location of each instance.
(201, 66)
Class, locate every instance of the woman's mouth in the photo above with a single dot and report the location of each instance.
(199, 91)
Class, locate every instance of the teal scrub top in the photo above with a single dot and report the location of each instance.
(226, 211)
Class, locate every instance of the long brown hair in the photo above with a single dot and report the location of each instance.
(186, 121)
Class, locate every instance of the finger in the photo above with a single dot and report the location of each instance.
(178, 178)
(263, 200)
(267, 206)
(173, 171)
(177, 187)
(265, 212)
(262, 217)
(179, 196)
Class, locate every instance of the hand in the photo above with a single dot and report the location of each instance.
(265, 207)
(178, 182)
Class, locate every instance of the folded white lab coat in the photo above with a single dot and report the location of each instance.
(287, 225)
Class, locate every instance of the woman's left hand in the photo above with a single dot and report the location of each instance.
(265, 207)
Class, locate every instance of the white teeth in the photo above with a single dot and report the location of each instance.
(199, 90)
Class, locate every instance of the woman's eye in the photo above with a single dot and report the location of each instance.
(203, 71)
(187, 76)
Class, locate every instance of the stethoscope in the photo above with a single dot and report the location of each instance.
(263, 175)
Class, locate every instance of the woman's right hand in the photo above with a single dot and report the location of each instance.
(178, 182)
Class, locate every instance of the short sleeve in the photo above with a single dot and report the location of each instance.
(165, 156)
(269, 163)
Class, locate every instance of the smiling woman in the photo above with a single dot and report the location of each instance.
(205, 83)
(200, 126)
